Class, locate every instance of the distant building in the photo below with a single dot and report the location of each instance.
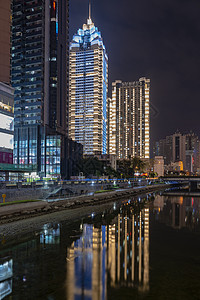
(164, 148)
(6, 123)
(5, 25)
(159, 165)
(129, 131)
(192, 152)
(88, 90)
(180, 147)
(174, 167)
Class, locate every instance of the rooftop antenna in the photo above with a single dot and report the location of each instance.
(89, 9)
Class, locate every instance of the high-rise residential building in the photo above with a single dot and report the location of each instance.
(128, 111)
(40, 76)
(88, 90)
(5, 25)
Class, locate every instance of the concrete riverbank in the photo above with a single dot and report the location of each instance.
(20, 220)
(16, 212)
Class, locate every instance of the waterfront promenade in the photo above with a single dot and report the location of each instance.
(20, 219)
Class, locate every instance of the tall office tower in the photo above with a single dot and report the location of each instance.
(192, 152)
(129, 119)
(178, 148)
(5, 24)
(164, 148)
(39, 76)
(88, 90)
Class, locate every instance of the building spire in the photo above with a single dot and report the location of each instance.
(89, 24)
(90, 9)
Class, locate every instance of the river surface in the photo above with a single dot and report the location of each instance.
(144, 248)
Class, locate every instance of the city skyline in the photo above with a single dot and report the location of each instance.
(159, 43)
(99, 149)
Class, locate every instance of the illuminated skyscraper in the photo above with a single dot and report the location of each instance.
(128, 112)
(88, 90)
(40, 77)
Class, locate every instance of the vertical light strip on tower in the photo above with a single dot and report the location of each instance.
(147, 121)
(118, 250)
(146, 249)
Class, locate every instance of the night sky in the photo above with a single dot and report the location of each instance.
(159, 39)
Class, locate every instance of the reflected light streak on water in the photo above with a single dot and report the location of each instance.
(123, 252)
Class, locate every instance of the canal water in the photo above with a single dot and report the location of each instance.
(143, 248)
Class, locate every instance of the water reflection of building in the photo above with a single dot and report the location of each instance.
(177, 212)
(50, 234)
(118, 252)
(159, 203)
(86, 265)
(5, 288)
(6, 273)
(128, 262)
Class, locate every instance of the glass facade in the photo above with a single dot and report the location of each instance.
(39, 76)
(27, 78)
(27, 144)
(88, 90)
(53, 155)
(27, 60)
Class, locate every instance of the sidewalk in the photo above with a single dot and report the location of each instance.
(22, 207)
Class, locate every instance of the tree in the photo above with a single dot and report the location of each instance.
(90, 166)
(109, 171)
(124, 167)
(127, 167)
(137, 164)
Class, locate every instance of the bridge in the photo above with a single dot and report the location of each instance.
(192, 181)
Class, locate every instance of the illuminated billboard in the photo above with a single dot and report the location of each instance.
(6, 122)
(6, 140)
(6, 131)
